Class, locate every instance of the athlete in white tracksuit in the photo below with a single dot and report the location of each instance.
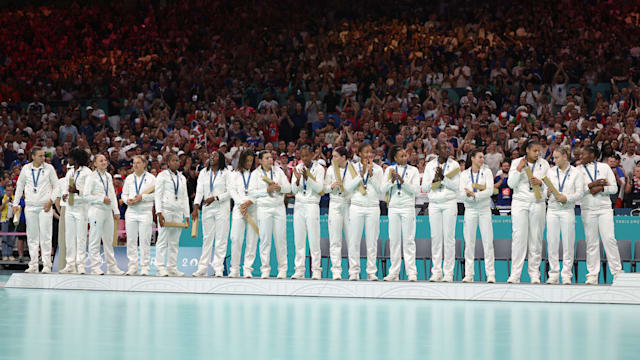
(477, 213)
(306, 213)
(37, 182)
(243, 208)
(272, 217)
(139, 215)
(75, 218)
(103, 211)
(402, 183)
(527, 213)
(213, 197)
(172, 205)
(364, 212)
(339, 200)
(561, 218)
(599, 183)
(443, 211)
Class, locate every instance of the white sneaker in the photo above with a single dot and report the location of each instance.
(132, 271)
(467, 279)
(566, 280)
(337, 277)
(46, 270)
(248, 275)
(162, 273)
(282, 275)
(535, 280)
(200, 273)
(264, 276)
(390, 278)
(553, 280)
(11, 258)
(144, 271)
(513, 280)
(175, 273)
(435, 277)
(615, 276)
(5, 258)
(491, 279)
(372, 277)
(297, 276)
(81, 270)
(68, 270)
(317, 275)
(413, 278)
(97, 272)
(354, 277)
(447, 278)
(115, 271)
(218, 274)
(591, 280)
(234, 274)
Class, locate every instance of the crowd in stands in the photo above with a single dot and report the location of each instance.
(191, 77)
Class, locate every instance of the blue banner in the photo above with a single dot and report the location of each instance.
(190, 248)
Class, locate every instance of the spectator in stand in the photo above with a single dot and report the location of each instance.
(501, 188)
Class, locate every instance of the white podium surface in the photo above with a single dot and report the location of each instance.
(626, 289)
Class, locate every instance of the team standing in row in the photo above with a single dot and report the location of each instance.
(355, 189)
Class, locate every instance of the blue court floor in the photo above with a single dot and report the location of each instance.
(56, 324)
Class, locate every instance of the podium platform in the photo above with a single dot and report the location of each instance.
(626, 290)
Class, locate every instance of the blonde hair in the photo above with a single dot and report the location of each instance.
(564, 150)
(141, 158)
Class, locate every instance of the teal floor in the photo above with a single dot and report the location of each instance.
(37, 324)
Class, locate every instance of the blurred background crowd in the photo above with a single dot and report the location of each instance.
(191, 77)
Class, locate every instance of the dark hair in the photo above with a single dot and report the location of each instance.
(473, 153)
(363, 146)
(342, 151)
(34, 150)
(528, 145)
(531, 143)
(243, 159)
(262, 153)
(306, 147)
(592, 149)
(393, 152)
(171, 156)
(440, 143)
(221, 161)
(79, 156)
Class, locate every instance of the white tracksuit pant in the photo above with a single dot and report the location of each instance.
(528, 225)
(75, 224)
(561, 222)
(402, 240)
(600, 222)
(272, 222)
(138, 226)
(238, 226)
(168, 241)
(215, 226)
(368, 218)
(101, 229)
(442, 220)
(306, 221)
(338, 222)
(472, 219)
(39, 231)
